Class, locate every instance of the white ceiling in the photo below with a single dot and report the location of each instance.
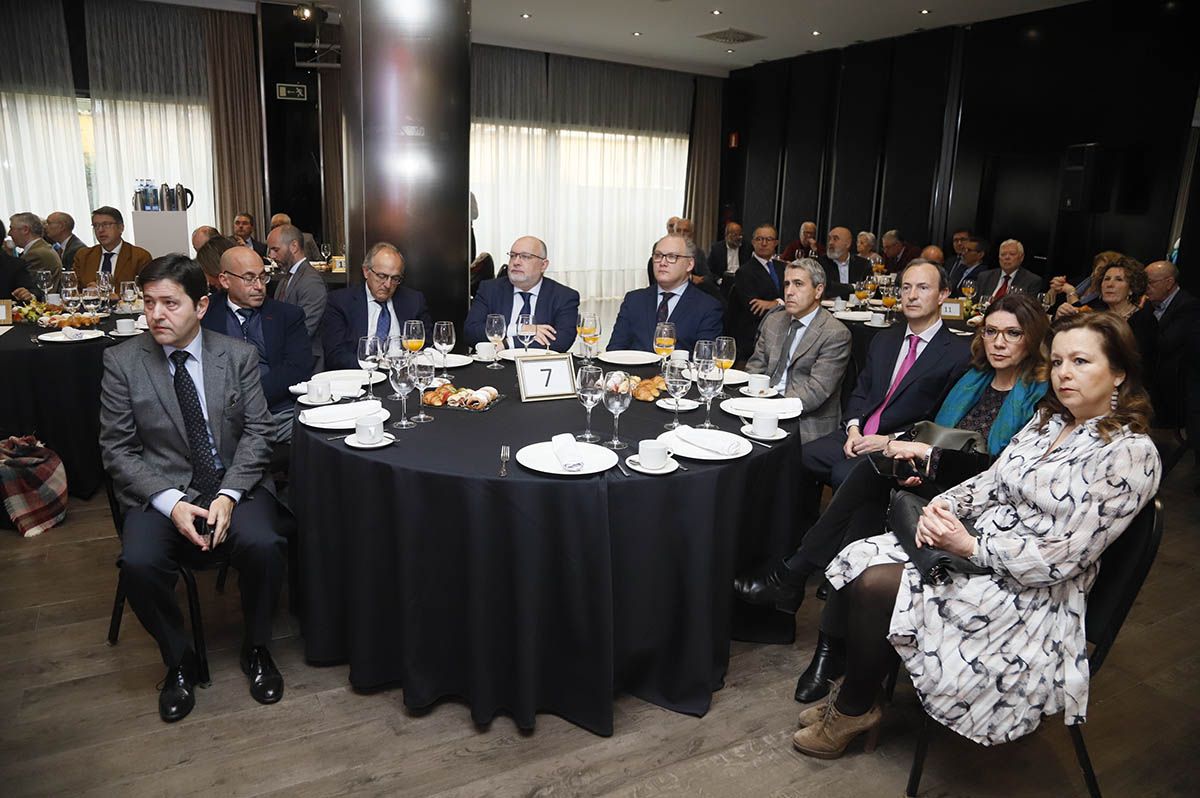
(604, 28)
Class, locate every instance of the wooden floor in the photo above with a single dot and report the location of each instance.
(80, 718)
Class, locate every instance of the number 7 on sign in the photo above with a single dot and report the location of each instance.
(547, 372)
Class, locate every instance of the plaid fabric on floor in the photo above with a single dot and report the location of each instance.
(34, 485)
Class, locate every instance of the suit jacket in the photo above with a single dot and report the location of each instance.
(1175, 348)
(289, 353)
(143, 440)
(70, 248)
(557, 305)
(718, 262)
(860, 268)
(697, 317)
(14, 274)
(306, 289)
(258, 246)
(750, 282)
(920, 393)
(346, 321)
(793, 247)
(815, 370)
(986, 283)
(40, 255)
(960, 272)
(896, 265)
(130, 261)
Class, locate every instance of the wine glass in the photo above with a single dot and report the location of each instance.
(679, 382)
(588, 328)
(871, 283)
(443, 342)
(326, 250)
(664, 339)
(393, 353)
(889, 295)
(129, 292)
(43, 279)
(860, 291)
(589, 386)
(401, 376)
(494, 328)
(422, 375)
(69, 279)
(525, 329)
(724, 353)
(967, 288)
(91, 300)
(704, 350)
(1047, 299)
(105, 284)
(709, 378)
(618, 392)
(71, 299)
(414, 335)
(369, 349)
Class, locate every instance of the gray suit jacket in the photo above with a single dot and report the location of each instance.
(143, 440)
(816, 369)
(987, 283)
(307, 289)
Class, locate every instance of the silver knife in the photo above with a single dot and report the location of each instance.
(624, 470)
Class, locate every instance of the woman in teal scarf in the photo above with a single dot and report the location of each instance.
(996, 397)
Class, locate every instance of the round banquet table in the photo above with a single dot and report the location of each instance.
(52, 390)
(423, 568)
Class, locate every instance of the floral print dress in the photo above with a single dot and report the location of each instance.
(990, 655)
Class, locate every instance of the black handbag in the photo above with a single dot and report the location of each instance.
(952, 438)
(935, 565)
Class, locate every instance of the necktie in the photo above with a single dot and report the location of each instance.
(253, 332)
(663, 309)
(774, 276)
(206, 475)
(1003, 289)
(782, 362)
(106, 267)
(526, 307)
(384, 326)
(872, 425)
(58, 247)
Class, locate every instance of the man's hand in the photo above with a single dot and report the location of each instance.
(761, 307)
(22, 294)
(183, 515)
(220, 512)
(545, 335)
(870, 443)
(852, 437)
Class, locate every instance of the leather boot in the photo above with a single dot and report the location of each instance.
(828, 663)
(772, 585)
(828, 738)
(816, 713)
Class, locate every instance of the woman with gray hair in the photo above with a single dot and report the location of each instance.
(865, 245)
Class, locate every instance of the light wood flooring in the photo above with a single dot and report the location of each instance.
(80, 718)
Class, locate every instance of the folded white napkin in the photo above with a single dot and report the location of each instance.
(748, 407)
(141, 322)
(712, 440)
(567, 451)
(339, 388)
(73, 333)
(339, 414)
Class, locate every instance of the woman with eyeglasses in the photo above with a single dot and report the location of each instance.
(995, 398)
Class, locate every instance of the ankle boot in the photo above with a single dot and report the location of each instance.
(772, 585)
(816, 713)
(828, 738)
(828, 663)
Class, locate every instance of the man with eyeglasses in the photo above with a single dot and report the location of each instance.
(243, 310)
(955, 266)
(112, 255)
(26, 231)
(379, 307)
(974, 249)
(757, 287)
(696, 315)
(525, 289)
(299, 283)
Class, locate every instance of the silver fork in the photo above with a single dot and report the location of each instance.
(504, 459)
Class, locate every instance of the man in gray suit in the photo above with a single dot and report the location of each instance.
(60, 232)
(26, 230)
(185, 436)
(300, 283)
(805, 350)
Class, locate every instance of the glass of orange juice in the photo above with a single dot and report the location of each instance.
(664, 339)
(588, 329)
(724, 353)
(860, 292)
(414, 335)
(888, 295)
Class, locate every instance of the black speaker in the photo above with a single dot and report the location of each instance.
(1080, 185)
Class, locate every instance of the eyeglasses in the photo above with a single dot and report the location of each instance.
(524, 257)
(1012, 334)
(393, 279)
(262, 278)
(764, 239)
(103, 225)
(669, 258)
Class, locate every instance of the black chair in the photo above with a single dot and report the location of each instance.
(1123, 569)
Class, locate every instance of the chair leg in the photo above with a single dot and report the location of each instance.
(918, 763)
(114, 626)
(1085, 762)
(889, 687)
(202, 675)
(221, 574)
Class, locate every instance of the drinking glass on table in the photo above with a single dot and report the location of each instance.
(370, 349)
(422, 373)
(526, 329)
(43, 279)
(71, 299)
(860, 291)
(393, 353)
(709, 378)
(968, 288)
(443, 342)
(889, 294)
(871, 283)
(587, 327)
(401, 376)
(618, 392)
(91, 300)
(104, 284)
(414, 335)
(724, 353)
(326, 251)
(129, 292)
(664, 339)
(679, 382)
(69, 279)
(494, 327)
(589, 386)
(704, 350)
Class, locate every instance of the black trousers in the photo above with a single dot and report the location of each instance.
(152, 549)
(825, 459)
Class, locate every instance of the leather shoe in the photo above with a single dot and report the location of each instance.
(266, 683)
(772, 586)
(828, 663)
(178, 694)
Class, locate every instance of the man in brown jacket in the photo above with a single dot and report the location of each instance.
(113, 254)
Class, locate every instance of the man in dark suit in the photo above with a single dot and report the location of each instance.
(525, 289)
(113, 255)
(185, 436)
(897, 253)
(243, 310)
(60, 232)
(1177, 312)
(995, 283)
(971, 265)
(958, 241)
(806, 246)
(907, 373)
(673, 298)
(300, 284)
(379, 307)
(757, 287)
(15, 280)
(727, 255)
(842, 269)
(243, 233)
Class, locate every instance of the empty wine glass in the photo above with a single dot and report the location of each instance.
(618, 392)
(704, 350)
(71, 299)
(443, 342)
(724, 353)
(401, 376)
(414, 335)
(664, 339)
(525, 329)
(393, 353)
(422, 373)
(588, 329)
(129, 292)
(326, 251)
(105, 284)
(69, 279)
(589, 386)
(369, 349)
(494, 327)
(679, 382)
(91, 300)
(708, 380)
(44, 280)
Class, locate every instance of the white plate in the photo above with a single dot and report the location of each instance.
(351, 374)
(120, 334)
(748, 431)
(383, 415)
(633, 462)
(732, 406)
(828, 303)
(540, 457)
(732, 376)
(685, 405)
(873, 324)
(519, 351)
(352, 442)
(961, 332)
(304, 400)
(685, 449)
(769, 394)
(452, 361)
(630, 357)
(59, 337)
(853, 315)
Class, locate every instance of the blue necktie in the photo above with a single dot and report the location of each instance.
(253, 332)
(384, 326)
(106, 267)
(774, 276)
(526, 308)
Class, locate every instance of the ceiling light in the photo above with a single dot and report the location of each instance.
(716, 12)
(924, 10)
(816, 33)
(637, 33)
(729, 51)
(308, 12)
(526, 16)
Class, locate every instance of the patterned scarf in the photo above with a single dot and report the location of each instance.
(1014, 413)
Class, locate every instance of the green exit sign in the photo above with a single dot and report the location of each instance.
(291, 91)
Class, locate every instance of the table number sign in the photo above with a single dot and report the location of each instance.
(542, 377)
(6, 317)
(952, 309)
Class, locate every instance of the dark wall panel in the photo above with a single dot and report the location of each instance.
(859, 134)
(762, 140)
(811, 109)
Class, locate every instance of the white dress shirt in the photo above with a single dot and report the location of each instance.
(805, 322)
(116, 253)
(518, 303)
(1161, 307)
(922, 343)
(732, 260)
(843, 268)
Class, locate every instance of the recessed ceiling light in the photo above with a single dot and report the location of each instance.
(637, 33)
(729, 51)
(526, 16)
(816, 33)
(716, 12)
(924, 10)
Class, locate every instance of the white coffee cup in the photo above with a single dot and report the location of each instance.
(53, 299)
(839, 304)
(369, 429)
(319, 391)
(680, 354)
(877, 319)
(765, 425)
(759, 384)
(485, 349)
(125, 326)
(652, 454)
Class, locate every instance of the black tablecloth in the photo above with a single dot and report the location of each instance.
(53, 391)
(533, 593)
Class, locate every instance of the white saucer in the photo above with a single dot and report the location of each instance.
(482, 359)
(767, 394)
(352, 442)
(119, 334)
(685, 404)
(779, 435)
(873, 324)
(633, 462)
(304, 400)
